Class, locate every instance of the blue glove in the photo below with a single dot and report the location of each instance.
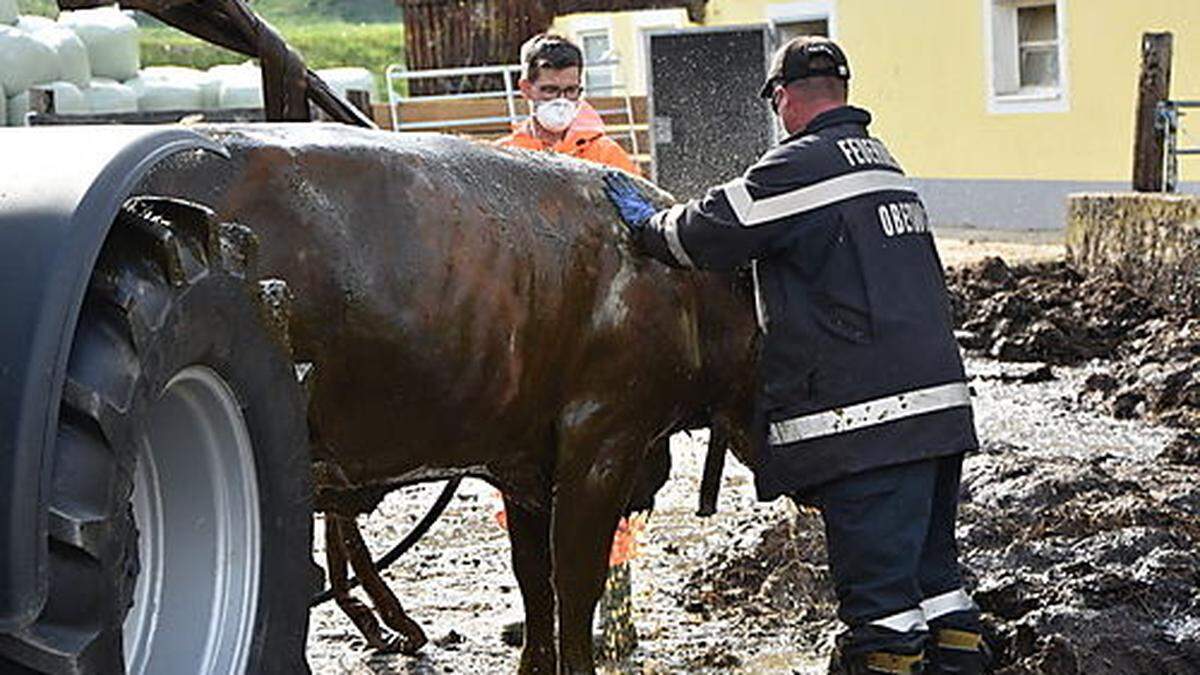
(633, 206)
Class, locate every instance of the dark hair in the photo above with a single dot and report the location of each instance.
(551, 51)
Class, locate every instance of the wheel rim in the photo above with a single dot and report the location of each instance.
(195, 502)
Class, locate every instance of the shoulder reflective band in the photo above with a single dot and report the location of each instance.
(946, 603)
(668, 225)
(870, 413)
(752, 212)
(903, 622)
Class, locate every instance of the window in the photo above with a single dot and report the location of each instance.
(600, 69)
(787, 30)
(1026, 50)
(1037, 48)
(809, 17)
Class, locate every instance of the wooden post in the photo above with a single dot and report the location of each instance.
(360, 99)
(1154, 85)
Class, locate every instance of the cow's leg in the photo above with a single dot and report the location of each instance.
(586, 511)
(529, 533)
(361, 615)
(411, 637)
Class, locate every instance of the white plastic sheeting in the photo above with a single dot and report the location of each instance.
(209, 85)
(25, 61)
(342, 80)
(17, 107)
(30, 23)
(161, 94)
(73, 64)
(241, 86)
(108, 96)
(68, 99)
(111, 38)
(8, 12)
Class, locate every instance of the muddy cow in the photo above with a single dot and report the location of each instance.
(478, 312)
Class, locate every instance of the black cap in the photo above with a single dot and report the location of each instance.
(793, 62)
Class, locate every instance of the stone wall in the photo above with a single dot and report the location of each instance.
(1151, 240)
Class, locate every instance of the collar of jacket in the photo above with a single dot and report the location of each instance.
(846, 114)
(587, 127)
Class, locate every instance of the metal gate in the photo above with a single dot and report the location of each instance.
(707, 122)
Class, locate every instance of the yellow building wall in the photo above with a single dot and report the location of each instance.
(919, 66)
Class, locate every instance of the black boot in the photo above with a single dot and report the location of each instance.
(870, 651)
(957, 646)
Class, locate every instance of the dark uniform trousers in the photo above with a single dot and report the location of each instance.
(863, 404)
(890, 537)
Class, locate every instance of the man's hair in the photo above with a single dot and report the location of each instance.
(551, 51)
(821, 87)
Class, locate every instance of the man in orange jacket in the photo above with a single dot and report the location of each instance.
(551, 71)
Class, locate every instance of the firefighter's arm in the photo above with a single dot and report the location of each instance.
(721, 231)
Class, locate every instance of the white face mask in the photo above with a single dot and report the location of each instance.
(556, 114)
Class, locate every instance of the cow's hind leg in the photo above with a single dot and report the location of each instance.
(529, 533)
(587, 508)
(362, 616)
(411, 637)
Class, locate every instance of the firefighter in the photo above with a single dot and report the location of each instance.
(863, 408)
(551, 68)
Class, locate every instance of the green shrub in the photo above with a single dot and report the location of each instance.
(323, 45)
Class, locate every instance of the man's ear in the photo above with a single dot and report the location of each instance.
(526, 88)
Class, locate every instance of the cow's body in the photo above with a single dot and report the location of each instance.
(470, 311)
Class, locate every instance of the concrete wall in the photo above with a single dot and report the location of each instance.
(1151, 240)
(1009, 204)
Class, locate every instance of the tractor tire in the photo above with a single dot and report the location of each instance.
(180, 513)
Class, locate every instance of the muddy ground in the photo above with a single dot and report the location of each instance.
(1080, 516)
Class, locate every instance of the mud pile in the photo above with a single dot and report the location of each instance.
(1043, 311)
(1146, 357)
(1080, 565)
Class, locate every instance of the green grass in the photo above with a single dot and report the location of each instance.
(323, 45)
(323, 31)
(282, 11)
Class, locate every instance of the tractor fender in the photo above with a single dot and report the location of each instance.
(60, 190)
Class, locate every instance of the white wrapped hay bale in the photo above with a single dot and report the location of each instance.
(71, 54)
(111, 38)
(8, 12)
(26, 61)
(68, 99)
(208, 84)
(17, 106)
(343, 80)
(105, 96)
(241, 86)
(162, 94)
(31, 23)
(3, 110)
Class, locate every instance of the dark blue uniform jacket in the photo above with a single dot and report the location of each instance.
(859, 368)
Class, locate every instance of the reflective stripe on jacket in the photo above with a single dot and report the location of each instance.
(859, 368)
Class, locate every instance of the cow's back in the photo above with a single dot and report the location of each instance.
(457, 300)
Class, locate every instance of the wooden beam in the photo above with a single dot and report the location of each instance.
(1154, 86)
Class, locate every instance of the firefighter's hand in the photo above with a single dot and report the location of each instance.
(633, 206)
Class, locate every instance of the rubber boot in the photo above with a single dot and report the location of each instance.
(903, 654)
(957, 646)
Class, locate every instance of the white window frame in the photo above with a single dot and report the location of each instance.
(1000, 32)
(648, 20)
(590, 25)
(810, 10)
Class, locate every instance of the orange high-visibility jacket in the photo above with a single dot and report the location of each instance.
(584, 139)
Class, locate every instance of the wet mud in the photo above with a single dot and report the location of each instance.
(1145, 355)
(1078, 528)
(1079, 524)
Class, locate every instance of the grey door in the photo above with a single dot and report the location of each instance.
(707, 122)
